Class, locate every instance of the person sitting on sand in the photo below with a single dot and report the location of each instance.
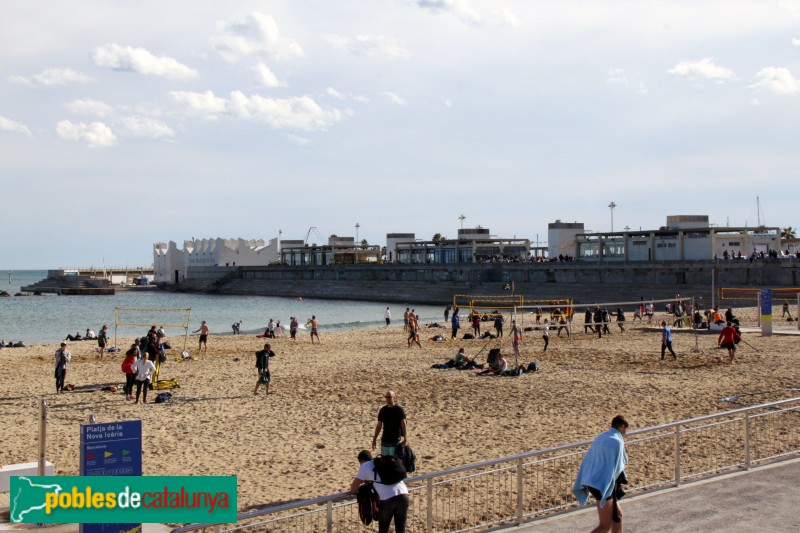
(76, 337)
(90, 334)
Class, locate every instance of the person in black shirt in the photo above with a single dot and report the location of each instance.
(262, 365)
(392, 420)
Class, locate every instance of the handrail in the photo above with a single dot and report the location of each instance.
(490, 462)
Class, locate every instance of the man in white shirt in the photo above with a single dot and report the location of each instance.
(387, 315)
(393, 498)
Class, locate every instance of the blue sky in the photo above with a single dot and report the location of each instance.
(127, 123)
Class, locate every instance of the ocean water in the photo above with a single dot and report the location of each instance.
(49, 318)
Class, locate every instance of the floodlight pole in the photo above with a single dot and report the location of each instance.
(611, 206)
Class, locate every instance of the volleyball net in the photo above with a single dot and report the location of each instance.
(130, 317)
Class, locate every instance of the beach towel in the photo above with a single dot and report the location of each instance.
(602, 465)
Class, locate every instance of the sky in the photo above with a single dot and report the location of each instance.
(123, 124)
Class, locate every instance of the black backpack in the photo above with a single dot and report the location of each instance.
(390, 469)
(407, 456)
(367, 500)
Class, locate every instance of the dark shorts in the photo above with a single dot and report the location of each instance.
(101, 344)
(203, 338)
(595, 493)
(729, 345)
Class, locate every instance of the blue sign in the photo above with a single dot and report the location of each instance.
(766, 302)
(111, 449)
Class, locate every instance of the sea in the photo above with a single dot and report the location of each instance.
(50, 318)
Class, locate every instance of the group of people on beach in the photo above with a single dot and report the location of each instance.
(101, 338)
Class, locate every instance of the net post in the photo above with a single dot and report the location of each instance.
(691, 322)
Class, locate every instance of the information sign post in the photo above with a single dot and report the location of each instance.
(766, 312)
(111, 449)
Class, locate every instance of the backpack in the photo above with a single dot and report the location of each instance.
(163, 397)
(367, 501)
(407, 456)
(469, 336)
(533, 366)
(390, 469)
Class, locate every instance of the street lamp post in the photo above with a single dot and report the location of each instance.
(461, 218)
(355, 249)
(611, 206)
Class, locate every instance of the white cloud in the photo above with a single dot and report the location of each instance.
(777, 80)
(96, 134)
(138, 126)
(369, 45)
(203, 104)
(460, 8)
(89, 107)
(266, 78)
(505, 17)
(6, 124)
(705, 68)
(298, 113)
(394, 98)
(796, 42)
(618, 76)
(140, 60)
(299, 141)
(257, 34)
(330, 91)
(53, 76)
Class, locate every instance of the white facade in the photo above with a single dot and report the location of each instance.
(561, 237)
(171, 263)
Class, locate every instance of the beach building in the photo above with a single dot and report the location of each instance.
(685, 237)
(171, 264)
(338, 250)
(473, 245)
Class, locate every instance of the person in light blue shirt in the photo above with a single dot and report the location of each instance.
(601, 474)
(666, 341)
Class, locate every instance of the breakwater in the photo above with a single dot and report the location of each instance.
(585, 282)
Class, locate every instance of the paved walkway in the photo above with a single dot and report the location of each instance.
(764, 500)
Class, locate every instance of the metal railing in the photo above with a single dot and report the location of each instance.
(521, 487)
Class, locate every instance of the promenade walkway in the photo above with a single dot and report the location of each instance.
(761, 500)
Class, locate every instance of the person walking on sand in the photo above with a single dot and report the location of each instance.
(144, 371)
(63, 356)
(313, 322)
(546, 334)
(387, 316)
(516, 337)
(666, 341)
(498, 324)
(393, 499)
(392, 420)
(455, 322)
(131, 356)
(293, 325)
(785, 309)
(204, 333)
(405, 320)
(413, 330)
(102, 341)
(447, 312)
(262, 365)
(727, 339)
(601, 474)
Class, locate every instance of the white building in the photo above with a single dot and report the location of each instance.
(685, 237)
(171, 263)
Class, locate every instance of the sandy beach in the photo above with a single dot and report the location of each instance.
(301, 440)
